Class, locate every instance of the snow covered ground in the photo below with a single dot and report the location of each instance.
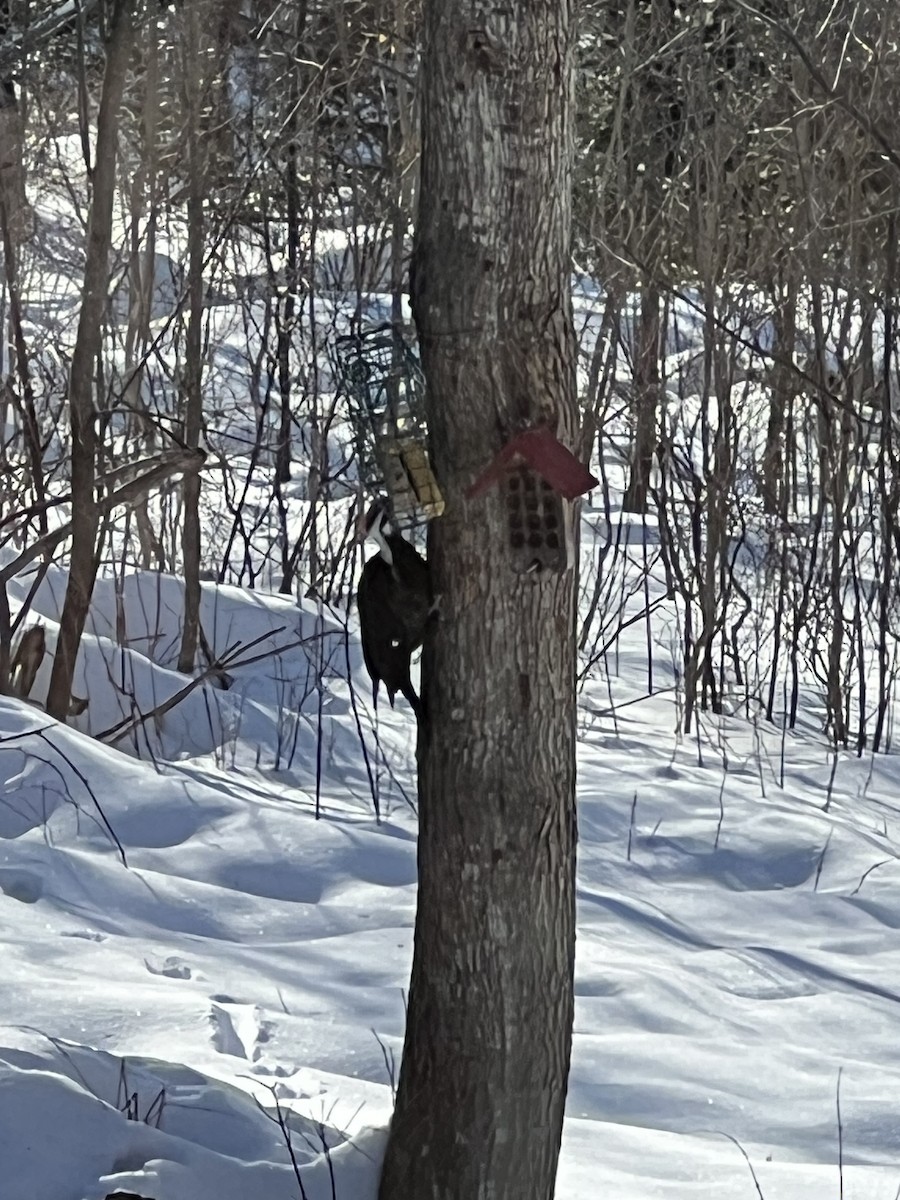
(206, 929)
(738, 971)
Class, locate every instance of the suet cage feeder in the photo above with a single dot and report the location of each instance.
(386, 388)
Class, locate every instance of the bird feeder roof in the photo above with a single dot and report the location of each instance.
(545, 454)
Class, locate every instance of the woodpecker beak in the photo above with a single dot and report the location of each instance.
(370, 521)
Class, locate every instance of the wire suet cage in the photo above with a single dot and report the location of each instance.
(386, 390)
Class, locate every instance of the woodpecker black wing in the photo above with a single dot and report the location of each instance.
(366, 602)
(412, 599)
(383, 632)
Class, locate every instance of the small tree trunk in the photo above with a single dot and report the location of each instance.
(646, 400)
(193, 398)
(12, 141)
(888, 488)
(288, 316)
(142, 278)
(775, 465)
(82, 410)
(314, 476)
(13, 222)
(287, 320)
(483, 1080)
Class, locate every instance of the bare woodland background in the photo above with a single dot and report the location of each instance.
(257, 164)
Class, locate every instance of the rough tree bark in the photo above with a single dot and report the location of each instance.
(144, 204)
(646, 399)
(483, 1080)
(82, 410)
(287, 316)
(776, 465)
(192, 398)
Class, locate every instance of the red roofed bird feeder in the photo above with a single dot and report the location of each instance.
(539, 477)
(544, 453)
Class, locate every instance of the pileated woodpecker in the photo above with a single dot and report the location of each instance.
(395, 603)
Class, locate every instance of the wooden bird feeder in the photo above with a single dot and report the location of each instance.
(539, 478)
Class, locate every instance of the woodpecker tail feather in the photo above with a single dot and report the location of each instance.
(413, 700)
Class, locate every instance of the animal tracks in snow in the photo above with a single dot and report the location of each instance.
(242, 1031)
(239, 1029)
(171, 967)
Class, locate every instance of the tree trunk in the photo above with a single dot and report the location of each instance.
(145, 189)
(194, 88)
(646, 399)
(82, 410)
(483, 1080)
(14, 219)
(16, 212)
(287, 317)
(775, 468)
(888, 489)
